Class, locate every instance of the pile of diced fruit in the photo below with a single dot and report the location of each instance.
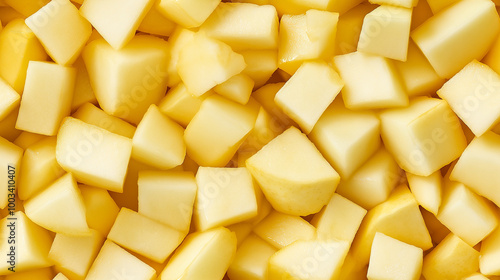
(249, 139)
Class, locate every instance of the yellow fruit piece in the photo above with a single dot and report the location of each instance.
(438, 5)
(307, 94)
(83, 92)
(243, 26)
(180, 105)
(225, 196)
(8, 126)
(265, 96)
(177, 40)
(261, 64)
(294, 183)
(59, 208)
(237, 88)
(202, 255)
(73, 255)
(128, 80)
(436, 229)
(114, 262)
(10, 161)
(167, 197)
(46, 97)
(155, 23)
(397, 3)
(39, 168)
(272, 227)
(223, 125)
(489, 262)
(89, 151)
(476, 276)
(381, 86)
(451, 259)
(9, 99)
(393, 259)
(15, 57)
(8, 14)
(250, 261)
(39, 274)
(90, 114)
(349, 28)
(158, 141)
(305, 37)
(187, 13)
(26, 139)
(421, 12)
(445, 38)
(424, 136)
(427, 190)
(26, 7)
(60, 276)
(101, 210)
(61, 30)
(116, 20)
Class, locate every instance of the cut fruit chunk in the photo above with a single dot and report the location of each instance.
(427, 190)
(101, 209)
(250, 261)
(9, 99)
(187, 13)
(10, 160)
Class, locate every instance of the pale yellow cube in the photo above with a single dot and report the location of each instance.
(294, 183)
(177, 40)
(156, 23)
(489, 262)
(90, 114)
(101, 210)
(115, 262)
(272, 227)
(187, 13)
(83, 92)
(9, 99)
(427, 190)
(46, 98)
(167, 197)
(144, 236)
(244, 26)
(59, 208)
(26, 139)
(346, 138)
(221, 125)
(94, 155)
(445, 38)
(305, 37)
(424, 136)
(250, 261)
(205, 62)
(478, 165)
(202, 255)
(158, 141)
(237, 88)
(73, 255)
(265, 96)
(391, 259)
(116, 20)
(180, 105)
(261, 64)
(381, 86)
(307, 94)
(10, 160)
(61, 30)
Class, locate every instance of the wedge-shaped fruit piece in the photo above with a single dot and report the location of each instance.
(144, 236)
(340, 219)
(307, 94)
(115, 262)
(427, 190)
(59, 208)
(10, 160)
(26, 139)
(60, 276)
(116, 20)
(156, 23)
(205, 62)
(474, 95)
(128, 80)
(305, 37)
(391, 259)
(9, 99)
(225, 196)
(346, 138)
(244, 26)
(237, 88)
(489, 262)
(89, 151)
(15, 57)
(250, 261)
(167, 197)
(381, 86)
(180, 105)
(46, 97)
(83, 92)
(61, 30)
(202, 255)
(158, 140)
(101, 209)
(40, 168)
(316, 259)
(349, 28)
(223, 125)
(450, 259)
(386, 32)
(294, 183)
(90, 114)
(32, 244)
(445, 38)
(261, 64)
(271, 229)
(373, 182)
(73, 255)
(399, 217)
(424, 136)
(187, 13)
(477, 166)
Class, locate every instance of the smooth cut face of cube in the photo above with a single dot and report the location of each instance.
(100, 208)
(381, 86)
(427, 190)
(489, 263)
(180, 105)
(424, 136)
(116, 20)
(9, 99)
(445, 38)
(61, 30)
(95, 156)
(386, 32)
(474, 95)
(10, 160)
(237, 88)
(188, 13)
(90, 114)
(261, 64)
(46, 97)
(250, 261)
(307, 94)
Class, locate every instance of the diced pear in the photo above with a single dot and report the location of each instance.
(489, 262)
(237, 88)
(8, 126)
(437, 230)
(26, 139)
(10, 162)
(398, 3)
(265, 96)
(250, 261)
(156, 23)
(177, 40)
(60, 276)
(438, 5)
(261, 64)
(101, 209)
(9, 99)
(90, 114)
(188, 13)
(27, 7)
(476, 276)
(180, 105)
(427, 190)
(45, 273)
(83, 91)
(349, 28)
